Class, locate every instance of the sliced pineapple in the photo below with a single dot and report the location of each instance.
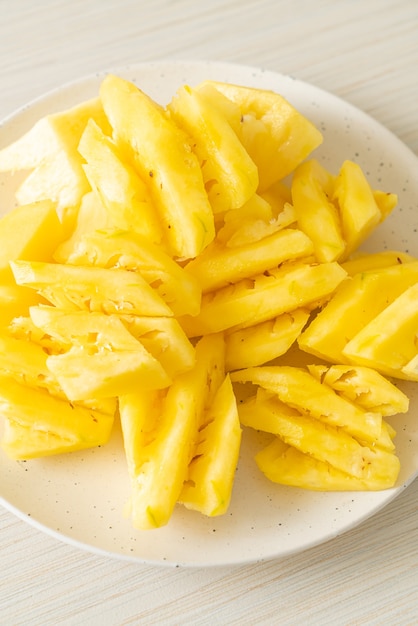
(255, 300)
(164, 159)
(90, 288)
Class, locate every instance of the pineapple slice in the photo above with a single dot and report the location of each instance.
(364, 262)
(129, 251)
(165, 340)
(316, 214)
(118, 185)
(30, 232)
(90, 288)
(284, 464)
(326, 443)
(219, 266)
(49, 149)
(230, 176)
(255, 345)
(39, 424)
(276, 136)
(359, 211)
(211, 472)
(364, 386)
(160, 431)
(389, 341)
(255, 300)
(300, 390)
(356, 302)
(90, 216)
(164, 159)
(15, 301)
(103, 361)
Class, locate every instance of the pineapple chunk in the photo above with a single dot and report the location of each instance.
(36, 418)
(164, 338)
(389, 341)
(130, 251)
(104, 359)
(276, 136)
(25, 362)
(263, 342)
(284, 464)
(356, 302)
(90, 288)
(211, 473)
(118, 185)
(359, 211)
(164, 159)
(15, 301)
(49, 149)
(219, 266)
(160, 431)
(364, 386)
(326, 443)
(363, 262)
(90, 216)
(255, 300)
(230, 176)
(30, 232)
(316, 214)
(301, 391)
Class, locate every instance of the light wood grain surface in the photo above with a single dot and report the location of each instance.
(367, 53)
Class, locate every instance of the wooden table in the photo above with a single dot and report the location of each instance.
(367, 53)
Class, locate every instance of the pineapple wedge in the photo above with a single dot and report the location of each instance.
(163, 157)
(263, 297)
(356, 302)
(326, 443)
(211, 472)
(284, 464)
(49, 149)
(36, 418)
(103, 360)
(300, 390)
(160, 431)
(130, 251)
(90, 288)
(118, 185)
(364, 386)
(230, 176)
(30, 232)
(255, 345)
(219, 266)
(389, 341)
(317, 215)
(276, 136)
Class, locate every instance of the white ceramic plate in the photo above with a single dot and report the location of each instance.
(79, 498)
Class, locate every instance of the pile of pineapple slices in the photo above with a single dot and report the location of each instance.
(161, 266)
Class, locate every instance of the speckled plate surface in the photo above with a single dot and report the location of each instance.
(79, 498)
